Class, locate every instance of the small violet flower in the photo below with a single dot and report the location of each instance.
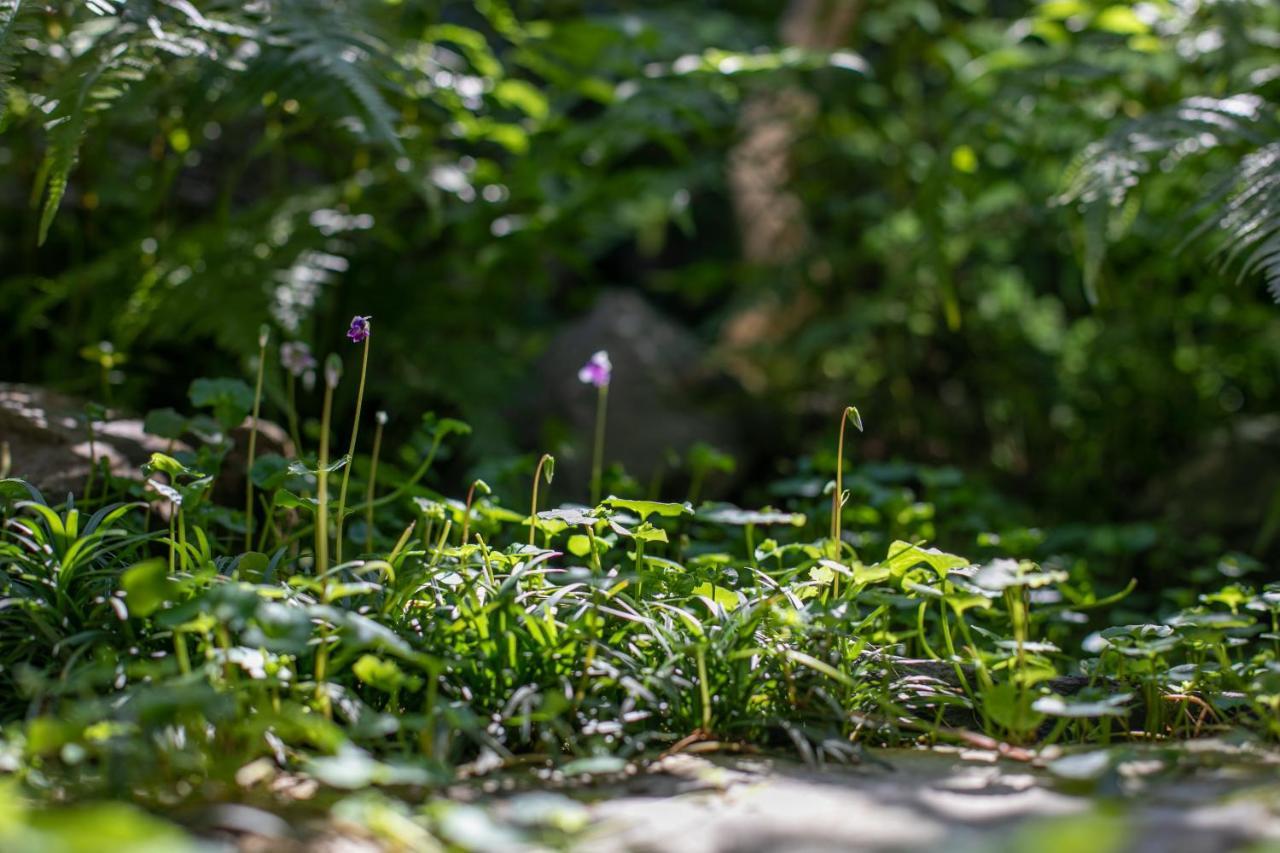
(359, 330)
(297, 358)
(598, 371)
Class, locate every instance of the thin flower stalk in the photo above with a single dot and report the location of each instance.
(357, 333)
(332, 373)
(263, 335)
(598, 371)
(381, 420)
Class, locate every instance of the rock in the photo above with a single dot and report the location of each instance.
(1226, 487)
(272, 438)
(665, 395)
(49, 442)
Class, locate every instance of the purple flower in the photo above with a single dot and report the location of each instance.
(597, 371)
(296, 358)
(359, 330)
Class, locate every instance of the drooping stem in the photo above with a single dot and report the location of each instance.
(546, 460)
(597, 451)
(381, 420)
(253, 440)
(466, 516)
(322, 484)
(837, 497)
(351, 451)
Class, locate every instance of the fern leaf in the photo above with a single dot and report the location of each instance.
(14, 21)
(337, 49)
(1243, 207)
(114, 74)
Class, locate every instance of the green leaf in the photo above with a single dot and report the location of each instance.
(252, 565)
(270, 471)
(440, 428)
(1010, 706)
(1077, 708)
(288, 500)
(1003, 574)
(741, 517)
(1120, 19)
(723, 596)
(230, 399)
(570, 516)
(905, 555)
(704, 457)
(579, 545)
(647, 508)
(104, 826)
(383, 674)
(147, 585)
(164, 423)
(522, 96)
(165, 464)
(648, 533)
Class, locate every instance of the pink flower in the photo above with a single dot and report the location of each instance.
(598, 371)
(359, 329)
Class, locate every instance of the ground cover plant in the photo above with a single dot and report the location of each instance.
(825, 382)
(159, 644)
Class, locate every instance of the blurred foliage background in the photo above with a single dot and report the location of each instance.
(1030, 240)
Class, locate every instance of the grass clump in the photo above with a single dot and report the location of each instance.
(145, 649)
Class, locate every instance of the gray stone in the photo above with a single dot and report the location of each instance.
(48, 443)
(666, 394)
(49, 446)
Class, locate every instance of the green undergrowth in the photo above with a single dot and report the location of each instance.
(146, 652)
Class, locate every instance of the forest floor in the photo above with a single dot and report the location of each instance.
(1209, 795)
(1195, 797)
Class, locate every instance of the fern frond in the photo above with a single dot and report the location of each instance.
(1249, 221)
(1103, 177)
(15, 21)
(329, 50)
(119, 66)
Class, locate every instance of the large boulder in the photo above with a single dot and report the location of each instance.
(666, 395)
(48, 443)
(48, 440)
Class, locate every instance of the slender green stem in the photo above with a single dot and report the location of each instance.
(321, 671)
(351, 451)
(253, 442)
(381, 420)
(180, 647)
(922, 634)
(837, 498)
(597, 452)
(466, 515)
(409, 483)
(704, 690)
(951, 651)
(322, 486)
(533, 503)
